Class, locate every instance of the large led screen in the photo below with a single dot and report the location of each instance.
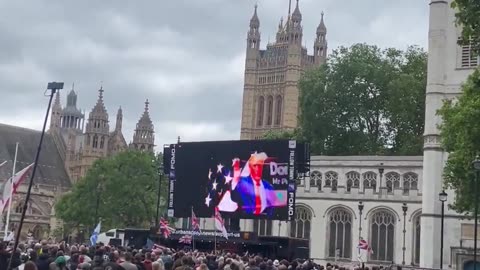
(243, 179)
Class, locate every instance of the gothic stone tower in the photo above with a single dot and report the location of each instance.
(143, 138)
(271, 95)
(448, 66)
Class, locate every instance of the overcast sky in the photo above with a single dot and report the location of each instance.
(185, 56)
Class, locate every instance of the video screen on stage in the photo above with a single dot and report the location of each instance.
(242, 179)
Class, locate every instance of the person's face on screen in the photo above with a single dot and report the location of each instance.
(256, 169)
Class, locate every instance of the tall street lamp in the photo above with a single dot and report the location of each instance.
(160, 174)
(360, 211)
(404, 209)
(443, 198)
(476, 167)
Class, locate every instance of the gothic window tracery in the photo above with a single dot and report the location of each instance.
(382, 235)
(392, 181)
(95, 141)
(416, 239)
(370, 181)
(102, 142)
(315, 179)
(278, 110)
(261, 106)
(269, 110)
(410, 182)
(300, 227)
(331, 180)
(340, 233)
(353, 180)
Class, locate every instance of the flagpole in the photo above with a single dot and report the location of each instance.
(215, 235)
(10, 200)
(191, 226)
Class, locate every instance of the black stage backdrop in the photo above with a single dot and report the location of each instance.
(242, 179)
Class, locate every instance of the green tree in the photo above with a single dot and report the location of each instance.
(467, 16)
(460, 133)
(365, 101)
(121, 190)
(275, 135)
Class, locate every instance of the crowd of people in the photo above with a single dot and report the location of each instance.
(45, 256)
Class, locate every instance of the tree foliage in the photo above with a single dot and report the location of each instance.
(460, 133)
(123, 189)
(365, 101)
(283, 134)
(467, 16)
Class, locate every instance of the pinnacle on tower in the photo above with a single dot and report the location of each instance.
(254, 21)
(118, 124)
(322, 29)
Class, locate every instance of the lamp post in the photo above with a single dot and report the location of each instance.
(404, 209)
(160, 174)
(360, 211)
(53, 87)
(380, 171)
(443, 198)
(476, 167)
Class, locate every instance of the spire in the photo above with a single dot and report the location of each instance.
(143, 138)
(118, 124)
(322, 29)
(297, 15)
(254, 21)
(100, 106)
(289, 8)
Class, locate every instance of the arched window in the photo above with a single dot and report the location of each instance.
(19, 208)
(410, 182)
(37, 232)
(316, 179)
(392, 180)
(300, 227)
(102, 142)
(95, 141)
(370, 181)
(331, 178)
(278, 110)
(416, 239)
(88, 139)
(261, 106)
(269, 110)
(263, 227)
(340, 234)
(382, 235)
(353, 180)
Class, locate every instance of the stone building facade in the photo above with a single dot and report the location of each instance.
(271, 95)
(80, 143)
(70, 147)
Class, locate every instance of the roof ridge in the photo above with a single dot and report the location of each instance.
(20, 128)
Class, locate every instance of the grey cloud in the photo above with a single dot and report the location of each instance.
(185, 56)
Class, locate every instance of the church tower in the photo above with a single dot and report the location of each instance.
(117, 141)
(143, 138)
(72, 117)
(97, 129)
(320, 46)
(270, 94)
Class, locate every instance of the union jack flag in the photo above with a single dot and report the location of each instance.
(186, 239)
(165, 228)
(363, 244)
(195, 222)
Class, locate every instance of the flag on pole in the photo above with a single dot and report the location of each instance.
(195, 222)
(186, 239)
(16, 182)
(220, 224)
(96, 232)
(363, 245)
(9, 237)
(165, 228)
